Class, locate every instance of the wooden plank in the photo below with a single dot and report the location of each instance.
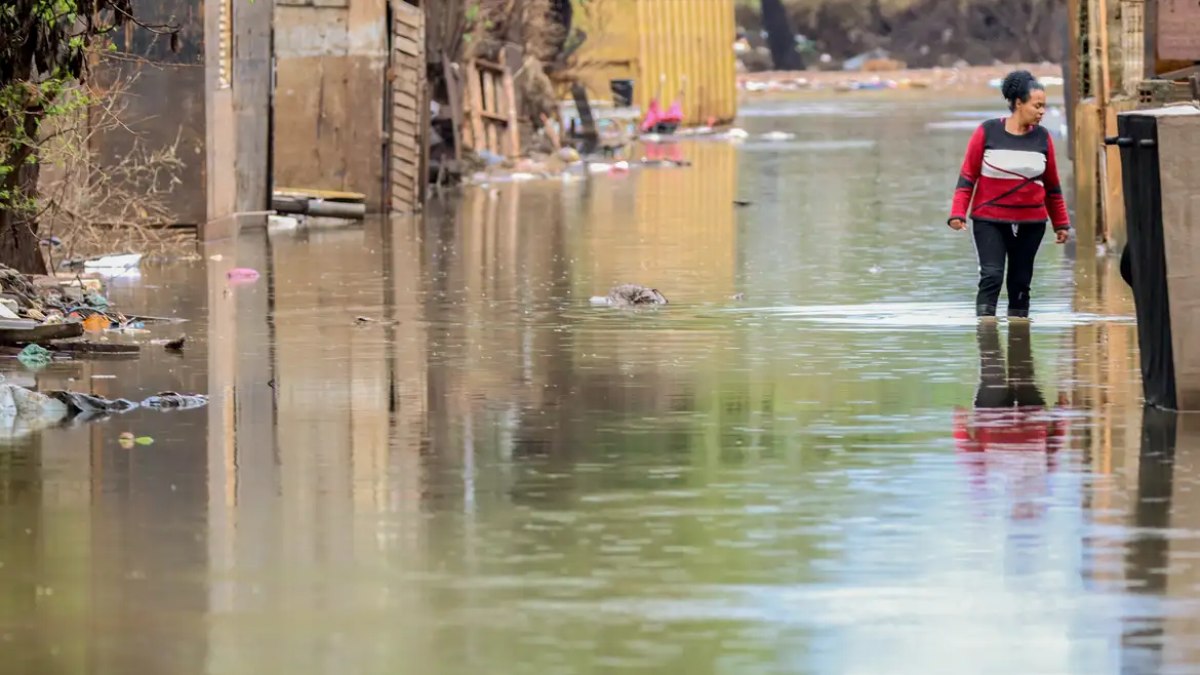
(404, 99)
(1087, 131)
(407, 45)
(1114, 193)
(512, 145)
(404, 124)
(1105, 93)
(252, 103)
(489, 107)
(404, 142)
(474, 106)
(1074, 76)
(483, 64)
(410, 17)
(408, 98)
(403, 174)
(455, 94)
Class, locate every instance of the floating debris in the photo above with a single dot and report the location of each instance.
(127, 440)
(242, 275)
(34, 356)
(172, 400)
(78, 403)
(176, 345)
(629, 295)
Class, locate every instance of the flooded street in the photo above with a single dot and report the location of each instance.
(491, 475)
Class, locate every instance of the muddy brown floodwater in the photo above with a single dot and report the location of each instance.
(496, 477)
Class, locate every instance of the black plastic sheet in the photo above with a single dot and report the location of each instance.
(1138, 141)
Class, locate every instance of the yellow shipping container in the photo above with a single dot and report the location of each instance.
(664, 46)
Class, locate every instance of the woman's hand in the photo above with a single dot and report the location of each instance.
(1061, 236)
(957, 224)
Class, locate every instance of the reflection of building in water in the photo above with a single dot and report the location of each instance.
(1159, 635)
(1105, 375)
(670, 228)
(323, 471)
(1106, 367)
(1177, 504)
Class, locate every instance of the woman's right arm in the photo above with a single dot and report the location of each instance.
(972, 166)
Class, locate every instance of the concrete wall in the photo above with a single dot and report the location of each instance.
(329, 126)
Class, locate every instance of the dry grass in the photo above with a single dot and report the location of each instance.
(95, 207)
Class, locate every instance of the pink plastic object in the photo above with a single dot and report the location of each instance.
(653, 115)
(242, 275)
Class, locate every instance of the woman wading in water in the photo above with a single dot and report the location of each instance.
(1009, 180)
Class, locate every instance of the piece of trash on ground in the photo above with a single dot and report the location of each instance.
(282, 222)
(127, 440)
(34, 356)
(121, 261)
(96, 323)
(23, 411)
(172, 400)
(242, 275)
(78, 403)
(368, 321)
(96, 301)
(629, 295)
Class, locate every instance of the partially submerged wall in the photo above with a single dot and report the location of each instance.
(329, 95)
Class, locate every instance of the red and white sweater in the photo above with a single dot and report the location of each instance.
(1013, 179)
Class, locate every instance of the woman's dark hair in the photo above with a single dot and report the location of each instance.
(1017, 86)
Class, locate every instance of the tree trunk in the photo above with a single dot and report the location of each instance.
(18, 225)
(18, 229)
(18, 218)
(781, 39)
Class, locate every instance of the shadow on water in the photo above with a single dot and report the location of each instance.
(835, 474)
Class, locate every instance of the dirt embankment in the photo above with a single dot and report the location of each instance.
(923, 33)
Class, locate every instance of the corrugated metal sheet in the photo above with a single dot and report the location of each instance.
(664, 46)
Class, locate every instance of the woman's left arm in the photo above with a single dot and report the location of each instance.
(1055, 204)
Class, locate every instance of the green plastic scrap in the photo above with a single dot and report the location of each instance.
(34, 356)
(97, 301)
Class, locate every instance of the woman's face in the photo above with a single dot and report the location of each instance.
(1030, 112)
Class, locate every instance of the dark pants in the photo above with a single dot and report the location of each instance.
(1006, 385)
(995, 244)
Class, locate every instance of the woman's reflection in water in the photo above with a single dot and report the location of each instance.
(1010, 434)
